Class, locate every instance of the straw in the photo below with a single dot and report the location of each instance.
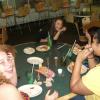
(69, 51)
(66, 55)
(48, 62)
(32, 69)
(73, 45)
(38, 76)
(61, 46)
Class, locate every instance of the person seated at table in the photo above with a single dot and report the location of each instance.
(89, 84)
(8, 76)
(57, 30)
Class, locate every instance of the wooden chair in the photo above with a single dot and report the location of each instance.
(8, 11)
(81, 38)
(55, 6)
(21, 13)
(40, 8)
(69, 17)
(3, 36)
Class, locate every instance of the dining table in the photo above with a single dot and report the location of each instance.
(61, 83)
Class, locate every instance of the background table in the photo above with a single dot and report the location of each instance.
(61, 83)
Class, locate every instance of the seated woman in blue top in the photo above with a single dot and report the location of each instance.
(57, 30)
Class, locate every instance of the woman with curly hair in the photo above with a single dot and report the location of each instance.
(8, 76)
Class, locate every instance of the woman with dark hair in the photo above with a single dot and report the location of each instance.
(57, 30)
(89, 33)
(89, 84)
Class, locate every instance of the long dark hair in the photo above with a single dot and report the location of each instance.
(52, 29)
(95, 33)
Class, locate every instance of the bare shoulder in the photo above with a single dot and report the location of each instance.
(9, 92)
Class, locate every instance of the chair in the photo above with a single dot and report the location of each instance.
(65, 6)
(21, 13)
(82, 38)
(6, 14)
(40, 9)
(69, 17)
(55, 7)
(3, 36)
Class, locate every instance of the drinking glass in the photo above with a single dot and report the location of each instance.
(30, 77)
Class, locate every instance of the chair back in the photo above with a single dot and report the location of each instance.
(65, 3)
(55, 4)
(3, 35)
(40, 6)
(23, 10)
(8, 9)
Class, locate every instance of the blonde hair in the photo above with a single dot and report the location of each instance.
(7, 49)
(3, 79)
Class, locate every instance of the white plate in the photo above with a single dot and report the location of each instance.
(29, 50)
(31, 89)
(42, 48)
(35, 60)
(82, 71)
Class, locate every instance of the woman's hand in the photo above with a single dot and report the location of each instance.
(88, 46)
(63, 29)
(84, 54)
(43, 40)
(53, 96)
(88, 37)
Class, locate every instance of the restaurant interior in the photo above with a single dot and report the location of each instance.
(23, 22)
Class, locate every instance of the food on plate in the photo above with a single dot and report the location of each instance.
(35, 60)
(76, 49)
(42, 48)
(31, 89)
(25, 96)
(29, 50)
(72, 64)
(45, 71)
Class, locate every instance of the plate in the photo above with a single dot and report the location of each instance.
(31, 89)
(42, 48)
(35, 60)
(29, 50)
(83, 69)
